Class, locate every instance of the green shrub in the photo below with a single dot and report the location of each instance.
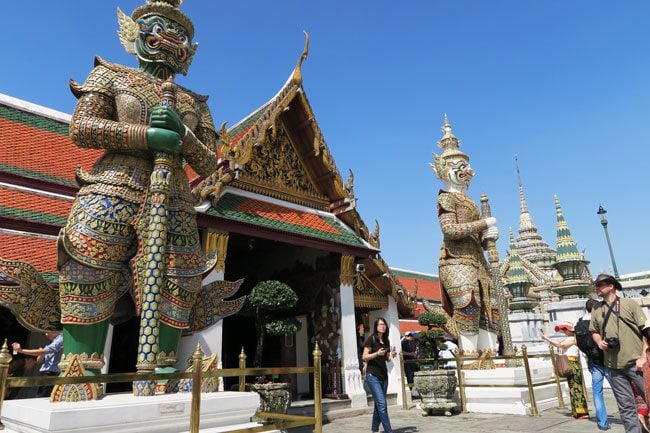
(431, 339)
(269, 300)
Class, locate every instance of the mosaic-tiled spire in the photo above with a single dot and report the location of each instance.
(566, 247)
(517, 280)
(530, 244)
(516, 271)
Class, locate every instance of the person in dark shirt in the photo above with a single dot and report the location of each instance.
(409, 352)
(377, 352)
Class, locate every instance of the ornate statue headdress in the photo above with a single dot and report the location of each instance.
(130, 30)
(451, 148)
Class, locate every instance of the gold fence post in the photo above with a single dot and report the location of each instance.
(529, 380)
(558, 387)
(318, 403)
(242, 364)
(461, 381)
(5, 360)
(197, 365)
(401, 363)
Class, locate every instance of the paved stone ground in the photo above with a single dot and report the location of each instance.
(410, 421)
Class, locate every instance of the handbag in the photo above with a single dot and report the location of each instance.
(562, 366)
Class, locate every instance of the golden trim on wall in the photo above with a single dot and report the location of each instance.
(217, 241)
(347, 270)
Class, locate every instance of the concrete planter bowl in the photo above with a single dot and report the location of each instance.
(437, 389)
(274, 397)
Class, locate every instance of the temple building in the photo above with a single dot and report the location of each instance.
(276, 208)
(425, 288)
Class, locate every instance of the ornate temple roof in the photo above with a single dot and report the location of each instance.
(295, 221)
(31, 139)
(40, 250)
(420, 286)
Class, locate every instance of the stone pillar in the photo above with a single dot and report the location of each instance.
(394, 368)
(352, 383)
(211, 338)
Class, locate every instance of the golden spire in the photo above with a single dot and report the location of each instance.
(297, 74)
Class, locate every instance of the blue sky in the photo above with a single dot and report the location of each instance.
(565, 85)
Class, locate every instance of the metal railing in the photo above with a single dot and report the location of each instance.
(280, 421)
(461, 359)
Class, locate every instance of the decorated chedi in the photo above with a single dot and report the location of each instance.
(131, 245)
(469, 295)
(570, 263)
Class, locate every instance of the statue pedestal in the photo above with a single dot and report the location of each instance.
(512, 398)
(124, 413)
(525, 327)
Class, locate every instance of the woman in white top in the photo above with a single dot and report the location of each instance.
(569, 348)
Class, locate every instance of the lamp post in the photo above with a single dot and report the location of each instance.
(603, 220)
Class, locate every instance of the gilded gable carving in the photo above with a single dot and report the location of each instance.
(366, 295)
(275, 169)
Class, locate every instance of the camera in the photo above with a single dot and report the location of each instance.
(613, 343)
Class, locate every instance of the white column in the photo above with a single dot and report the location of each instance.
(394, 368)
(353, 384)
(210, 338)
(302, 356)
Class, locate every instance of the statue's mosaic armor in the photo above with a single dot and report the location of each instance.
(464, 273)
(101, 238)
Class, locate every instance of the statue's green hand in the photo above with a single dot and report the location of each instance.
(163, 140)
(166, 117)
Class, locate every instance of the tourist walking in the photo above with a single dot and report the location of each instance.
(377, 352)
(51, 355)
(616, 328)
(595, 362)
(568, 347)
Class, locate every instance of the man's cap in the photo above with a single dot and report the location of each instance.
(564, 325)
(608, 279)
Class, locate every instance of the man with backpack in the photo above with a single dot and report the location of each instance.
(595, 362)
(616, 329)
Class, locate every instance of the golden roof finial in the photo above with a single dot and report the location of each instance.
(297, 74)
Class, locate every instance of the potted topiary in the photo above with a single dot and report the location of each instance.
(437, 388)
(269, 301)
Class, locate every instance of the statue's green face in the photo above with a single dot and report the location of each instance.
(162, 40)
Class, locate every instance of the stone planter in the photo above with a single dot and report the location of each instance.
(274, 397)
(437, 389)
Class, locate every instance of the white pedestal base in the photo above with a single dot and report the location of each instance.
(513, 398)
(124, 413)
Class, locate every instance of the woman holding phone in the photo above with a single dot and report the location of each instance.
(376, 353)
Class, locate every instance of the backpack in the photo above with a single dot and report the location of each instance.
(586, 343)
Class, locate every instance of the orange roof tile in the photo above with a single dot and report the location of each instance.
(426, 289)
(42, 151)
(26, 201)
(39, 252)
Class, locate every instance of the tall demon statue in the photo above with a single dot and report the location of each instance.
(131, 244)
(469, 296)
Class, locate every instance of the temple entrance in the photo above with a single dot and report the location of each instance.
(313, 274)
